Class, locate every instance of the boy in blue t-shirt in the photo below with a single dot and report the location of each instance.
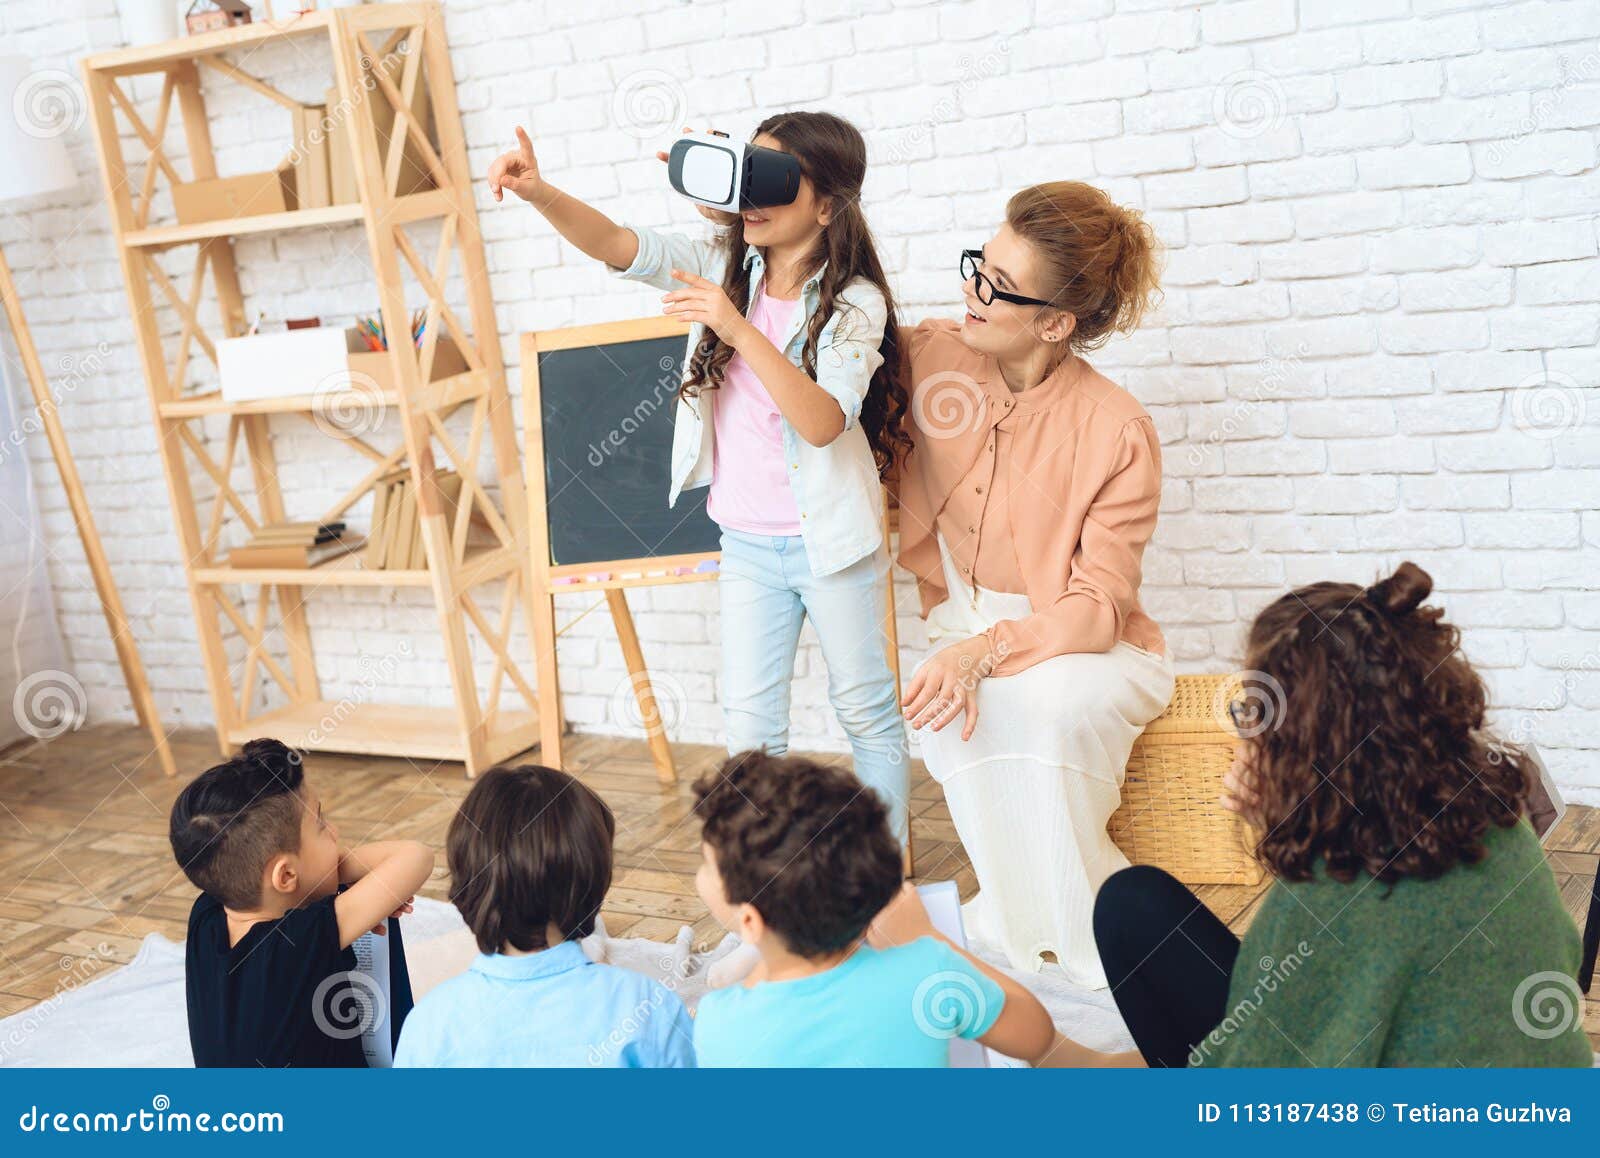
(798, 860)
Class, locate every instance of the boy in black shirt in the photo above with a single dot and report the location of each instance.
(268, 965)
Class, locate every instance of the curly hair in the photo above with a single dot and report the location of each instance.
(1370, 753)
(808, 845)
(833, 156)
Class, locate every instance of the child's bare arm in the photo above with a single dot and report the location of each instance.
(383, 877)
(1023, 1029)
(1066, 1054)
(583, 225)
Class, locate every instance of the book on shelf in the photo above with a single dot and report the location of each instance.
(405, 529)
(449, 483)
(383, 508)
(395, 542)
(287, 547)
(297, 533)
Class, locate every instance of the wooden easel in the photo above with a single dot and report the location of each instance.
(133, 674)
(613, 577)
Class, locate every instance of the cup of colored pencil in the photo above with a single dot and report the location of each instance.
(372, 332)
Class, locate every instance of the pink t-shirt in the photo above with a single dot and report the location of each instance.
(749, 474)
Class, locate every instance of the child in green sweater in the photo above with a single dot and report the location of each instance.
(1412, 919)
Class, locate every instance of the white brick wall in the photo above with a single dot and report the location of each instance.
(1378, 339)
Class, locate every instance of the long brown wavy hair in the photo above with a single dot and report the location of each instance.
(1369, 750)
(834, 156)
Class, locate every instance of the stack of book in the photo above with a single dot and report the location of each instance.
(294, 546)
(395, 543)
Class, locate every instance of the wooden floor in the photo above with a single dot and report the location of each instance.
(86, 872)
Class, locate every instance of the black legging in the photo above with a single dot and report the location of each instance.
(1168, 960)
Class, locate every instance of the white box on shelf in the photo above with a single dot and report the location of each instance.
(315, 360)
(284, 363)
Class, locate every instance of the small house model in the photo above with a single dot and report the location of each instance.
(209, 15)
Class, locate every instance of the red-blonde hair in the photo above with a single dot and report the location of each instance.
(1097, 259)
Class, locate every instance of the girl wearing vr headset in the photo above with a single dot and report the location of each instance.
(1025, 509)
(790, 411)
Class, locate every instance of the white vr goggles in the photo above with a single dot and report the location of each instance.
(721, 173)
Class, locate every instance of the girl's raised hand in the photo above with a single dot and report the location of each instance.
(715, 216)
(705, 302)
(517, 171)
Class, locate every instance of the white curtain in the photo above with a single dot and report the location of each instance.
(39, 695)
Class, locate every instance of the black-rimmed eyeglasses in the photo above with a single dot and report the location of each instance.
(986, 290)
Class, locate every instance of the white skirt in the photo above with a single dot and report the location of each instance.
(1032, 791)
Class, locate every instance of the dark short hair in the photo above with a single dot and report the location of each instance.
(237, 816)
(530, 847)
(807, 844)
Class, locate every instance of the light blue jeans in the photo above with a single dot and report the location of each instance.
(767, 592)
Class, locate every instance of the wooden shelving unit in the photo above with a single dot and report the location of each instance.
(265, 607)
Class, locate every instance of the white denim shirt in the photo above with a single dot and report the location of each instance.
(836, 487)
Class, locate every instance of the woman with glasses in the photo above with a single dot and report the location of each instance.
(1026, 505)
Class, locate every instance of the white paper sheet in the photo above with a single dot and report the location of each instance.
(372, 959)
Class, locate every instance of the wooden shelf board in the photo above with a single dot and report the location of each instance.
(450, 391)
(348, 571)
(158, 236)
(154, 57)
(418, 732)
(215, 403)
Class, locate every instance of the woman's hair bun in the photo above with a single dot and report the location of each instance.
(1402, 592)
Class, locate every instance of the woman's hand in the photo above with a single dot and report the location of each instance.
(1238, 792)
(517, 171)
(715, 216)
(947, 686)
(704, 301)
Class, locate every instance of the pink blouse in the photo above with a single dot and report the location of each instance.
(750, 489)
(1051, 492)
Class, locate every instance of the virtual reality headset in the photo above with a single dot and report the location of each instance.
(730, 175)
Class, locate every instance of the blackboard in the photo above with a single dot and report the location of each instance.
(606, 410)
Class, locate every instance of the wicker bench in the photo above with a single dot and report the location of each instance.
(1169, 815)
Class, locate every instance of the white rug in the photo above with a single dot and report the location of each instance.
(135, 1015)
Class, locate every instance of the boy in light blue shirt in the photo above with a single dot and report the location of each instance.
(530, 863)
(799, 861)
